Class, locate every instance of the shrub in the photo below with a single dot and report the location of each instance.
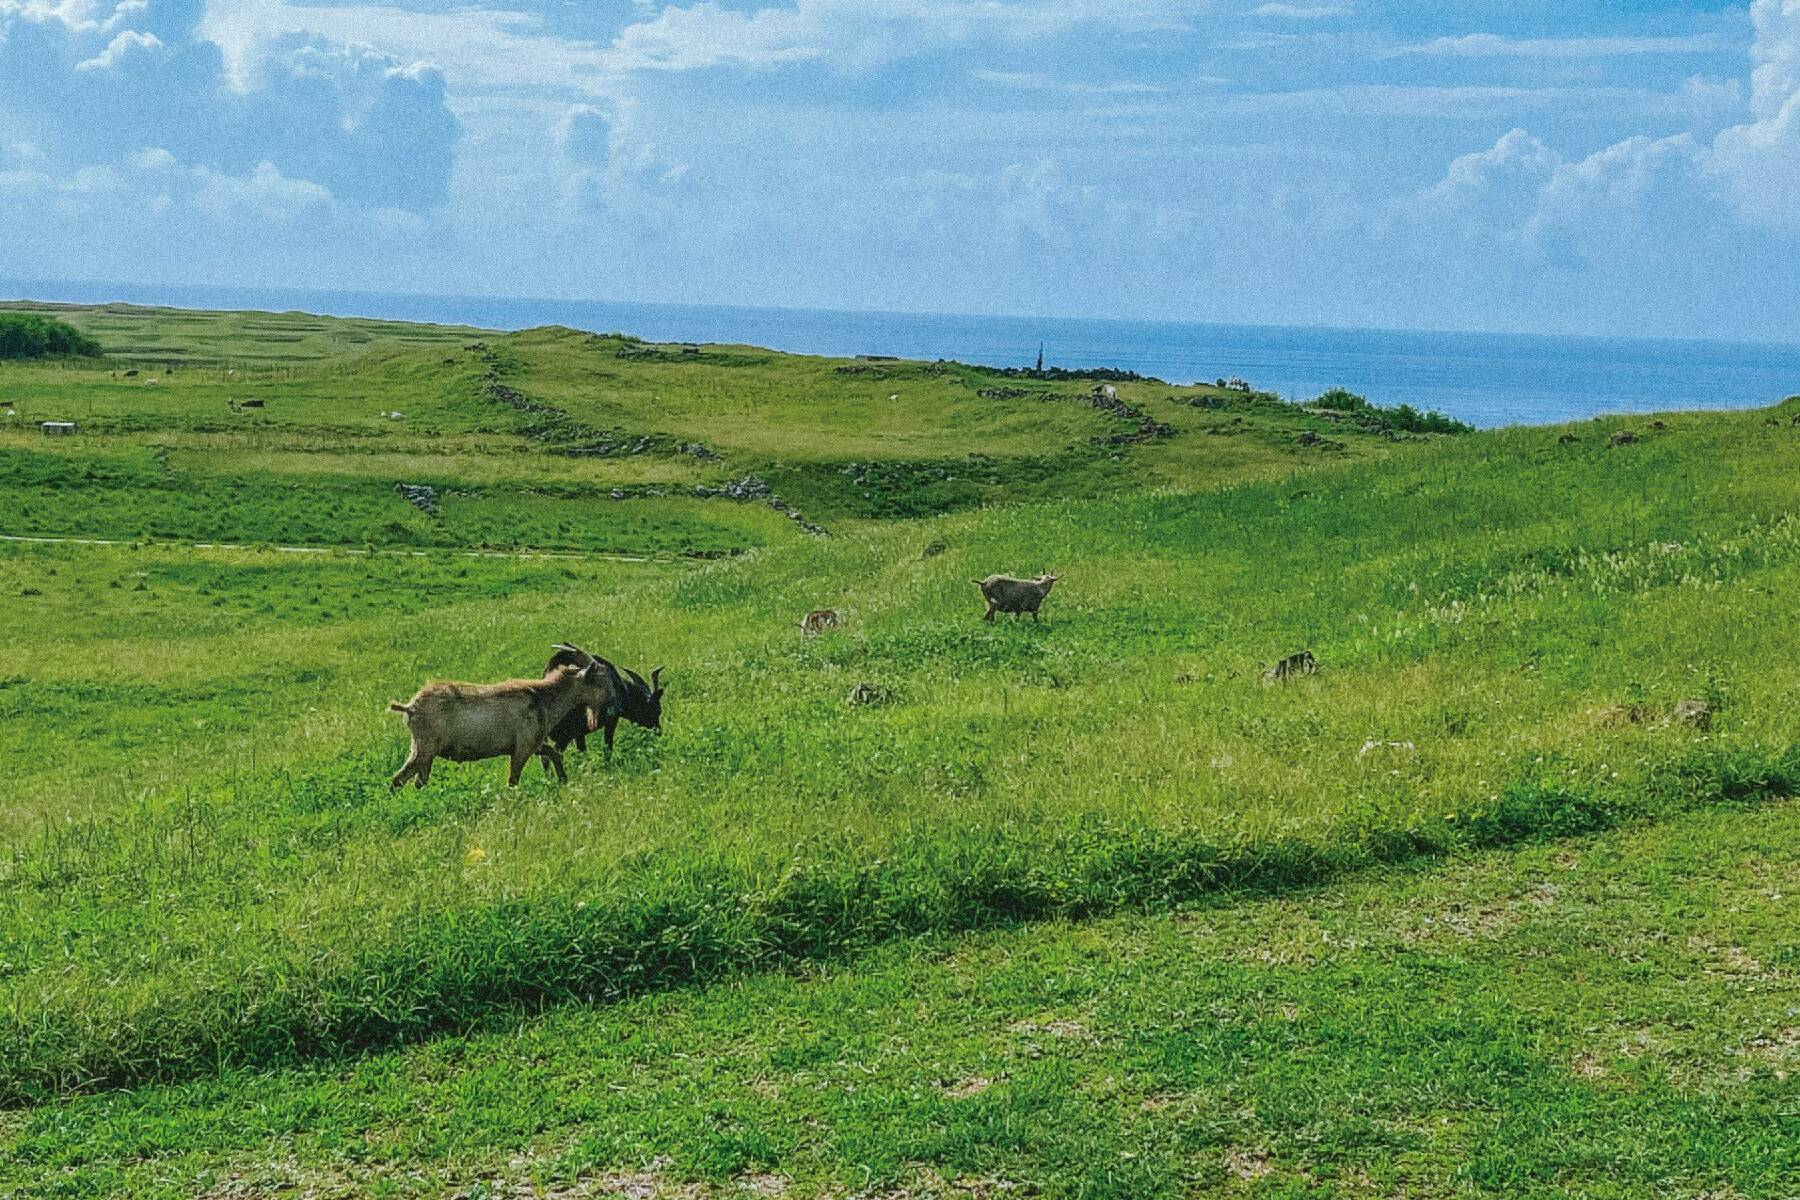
(1403, 418)
(29, 335)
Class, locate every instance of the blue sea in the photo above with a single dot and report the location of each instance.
(1487, 379)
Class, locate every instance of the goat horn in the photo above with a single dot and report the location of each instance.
(653, 677)
(581, 654)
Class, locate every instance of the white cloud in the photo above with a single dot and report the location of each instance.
(683, 39)
(1497, 188)
(1493, 45)
(1300, 12)
(265, 194)
(118, 48)
(153, 158)
(860, 34)
(1521, 186)
(1037, 81)
(1760, 160)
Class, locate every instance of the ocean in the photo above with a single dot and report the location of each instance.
(1486, 379)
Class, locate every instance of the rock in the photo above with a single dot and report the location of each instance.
(1616, 715)
(1697, 713)
(864, 695)
(1292, 667)
(420, 496)
(750, 487)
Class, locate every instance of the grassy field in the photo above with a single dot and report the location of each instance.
(204, 877)
(1613, 1016)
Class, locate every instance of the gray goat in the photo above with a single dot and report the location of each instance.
(1005, 594)
(467, 722)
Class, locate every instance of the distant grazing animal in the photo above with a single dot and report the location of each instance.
(627, 697)
(1622, 438)
(1567, 439)
(252, 404)
(1292, 667)
(1005, 594)
(819, 620)
(467, 722)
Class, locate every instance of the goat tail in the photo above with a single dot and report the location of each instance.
(396, 706)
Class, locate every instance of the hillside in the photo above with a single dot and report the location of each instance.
(205, 878)
(220, 427)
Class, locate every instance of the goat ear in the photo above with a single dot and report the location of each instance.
(656, 680)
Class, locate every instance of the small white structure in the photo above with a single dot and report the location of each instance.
(58, 428)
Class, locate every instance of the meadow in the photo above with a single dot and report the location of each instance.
(208, 896)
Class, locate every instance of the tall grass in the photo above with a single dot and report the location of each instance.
(1478, 607)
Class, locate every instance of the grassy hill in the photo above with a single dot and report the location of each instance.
(204, 871)
(553, 439)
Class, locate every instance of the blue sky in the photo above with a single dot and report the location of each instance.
(1543, 165)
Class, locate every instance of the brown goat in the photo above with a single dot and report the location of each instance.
(1005, 594)
(466, 722)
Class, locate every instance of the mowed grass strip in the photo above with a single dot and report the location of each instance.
(1613, 1015)
(1506, 624)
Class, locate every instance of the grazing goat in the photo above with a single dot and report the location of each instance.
(1003, 593)
(819, 620)
(1292, 667)
(466, 722)
(627, 697)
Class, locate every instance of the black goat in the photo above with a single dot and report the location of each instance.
(628, 698)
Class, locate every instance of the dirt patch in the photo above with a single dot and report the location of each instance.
(1053, 1029)
(1248, 1164)
(962, 1089)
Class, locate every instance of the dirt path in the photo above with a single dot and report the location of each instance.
(561, 554)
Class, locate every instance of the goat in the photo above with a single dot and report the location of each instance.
(1003, 593)
(467, 722)
(627, 697)
(819, 620)
(1292, 667)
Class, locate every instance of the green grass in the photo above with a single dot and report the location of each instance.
(136, 334)
(204, 876)
(1478, 600)
(823, 433)
(1609, 1017)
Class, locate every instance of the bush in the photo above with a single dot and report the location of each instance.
(1402, 418)
(28, 335)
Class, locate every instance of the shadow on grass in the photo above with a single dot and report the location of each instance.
(670, 921)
